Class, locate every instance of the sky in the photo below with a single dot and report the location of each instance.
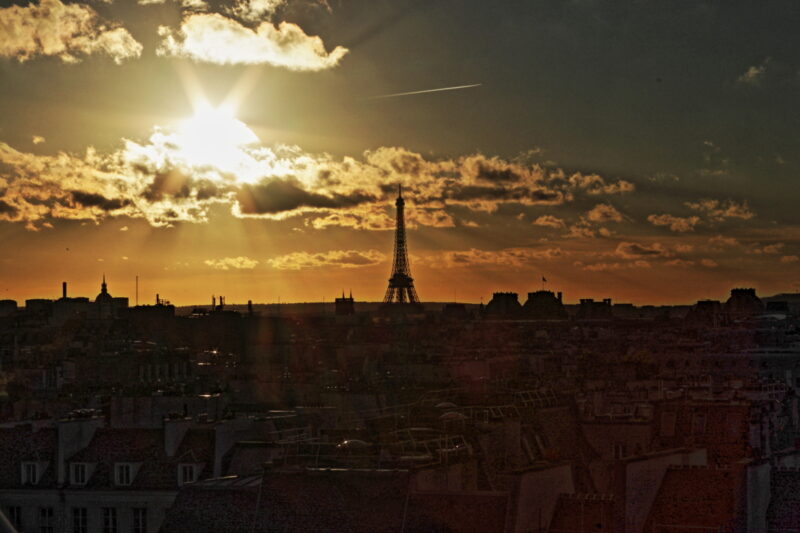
(644, 151)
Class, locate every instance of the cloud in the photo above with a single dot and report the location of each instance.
(38, 188)
(227, 263)
(66, 31)
(708, 263)
(165, 180)
(678, 224)
(255, 10)
(336, 258)
(278, 195)
(37, 139)
(604, 267)
(767, 249)
(595, 184)
(189, 5)
(632, 250)
(680, 262)
(754, 74)
(508, 257)
(721, 241)
(719, 210)
(790, 259)
(549, 221)
(213, 38)
(602, 213)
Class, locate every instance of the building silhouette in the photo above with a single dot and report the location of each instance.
(503, 304)
(544, 305)
(345, 305)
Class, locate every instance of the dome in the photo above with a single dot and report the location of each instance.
(103, 297)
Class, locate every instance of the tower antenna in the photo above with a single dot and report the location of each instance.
(401, 284)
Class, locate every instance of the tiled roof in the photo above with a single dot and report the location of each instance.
(146, 446)
(21, 443)
(301, 501)
(698, 497)
(783, 513)
(583, 513)
(479, 512)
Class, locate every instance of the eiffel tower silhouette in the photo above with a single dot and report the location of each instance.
(401, 284)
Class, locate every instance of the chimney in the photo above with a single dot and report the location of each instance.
(64, 289)
(174, 431)
(250, 307)
(559, 297)
(158, 300)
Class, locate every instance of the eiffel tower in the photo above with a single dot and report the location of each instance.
(401, 284)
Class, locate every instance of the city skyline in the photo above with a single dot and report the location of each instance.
(252, 148)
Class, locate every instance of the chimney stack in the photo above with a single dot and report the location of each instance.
(559, 296)
(64, 289)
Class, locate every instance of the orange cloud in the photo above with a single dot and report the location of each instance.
(227, 263)
(335, 258)
(677, 224)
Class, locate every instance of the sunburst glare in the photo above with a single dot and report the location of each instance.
(214, 136)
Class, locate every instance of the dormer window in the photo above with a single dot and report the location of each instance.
(187, 473)
(123, 473)
(30, 473)
(79, 474)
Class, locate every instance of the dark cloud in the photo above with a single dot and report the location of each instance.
(172, 183)
(89, 199)
(7, 209)
(279, 195)
(499, 193)
(632, 250)
(494, 174)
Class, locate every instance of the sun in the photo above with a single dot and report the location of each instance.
(213, 136)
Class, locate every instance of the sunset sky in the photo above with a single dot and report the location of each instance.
(645, 151)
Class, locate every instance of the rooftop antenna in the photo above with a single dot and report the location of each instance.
(137, 290)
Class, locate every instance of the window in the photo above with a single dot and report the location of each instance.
(109, 520)
(79, 473)
(15, 516)
(139, 520)
(30, 473)
(187, 474)
(80, 520)
(123, 472)
(46, 515)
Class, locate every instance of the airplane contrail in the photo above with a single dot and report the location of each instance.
(455, 88)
